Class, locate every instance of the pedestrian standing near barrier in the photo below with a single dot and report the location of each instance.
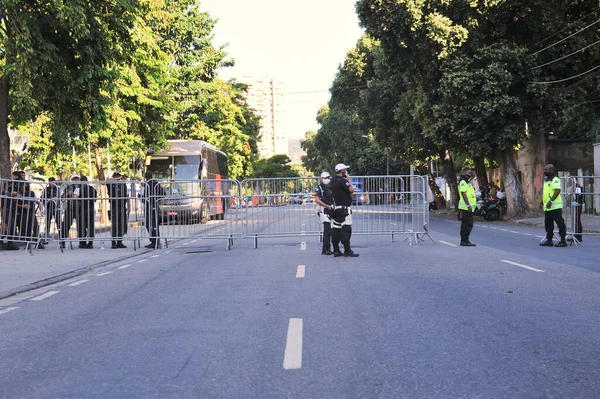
(50, 198)
(152, 193)
(341, 190)
(117, 191)
(553, 204)
(466, 206)
(87, 214)
(71, 205)
(324, 198)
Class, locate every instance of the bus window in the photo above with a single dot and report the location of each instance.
(161, 167)
(186, 167)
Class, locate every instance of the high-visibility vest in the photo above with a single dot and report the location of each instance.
(549, 187)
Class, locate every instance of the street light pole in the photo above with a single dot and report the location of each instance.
(387, 164)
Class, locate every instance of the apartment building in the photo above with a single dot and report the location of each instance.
(266, 97)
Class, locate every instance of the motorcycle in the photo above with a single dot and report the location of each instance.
(488, 209)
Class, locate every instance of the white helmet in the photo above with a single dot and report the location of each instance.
(325, 175)
(341, 166)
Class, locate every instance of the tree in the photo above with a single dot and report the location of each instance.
(276, 166)
(473, 66)
(59, 58)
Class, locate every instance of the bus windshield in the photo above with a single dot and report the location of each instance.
(186, 167)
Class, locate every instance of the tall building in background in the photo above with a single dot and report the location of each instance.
(266, 97)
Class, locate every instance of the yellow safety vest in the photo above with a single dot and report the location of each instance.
(464, 187)
(549, 187)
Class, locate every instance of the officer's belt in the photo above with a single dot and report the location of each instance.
(341, 207)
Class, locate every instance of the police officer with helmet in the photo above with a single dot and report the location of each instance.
(341, 189)
(324, 198)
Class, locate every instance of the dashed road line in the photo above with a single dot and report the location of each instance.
(44, 296)
(515, 232)
(103, 274)
(3, 311)
(166, 252)
(124, 266)
(76, 283)
(293, 348)
(155, 256)
(301, 271)
(447, 243)
(187, 243)
(141, 261)
(533, 269)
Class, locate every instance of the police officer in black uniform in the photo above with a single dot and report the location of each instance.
(152, 193)
(324, 198)
(341, 189)
(87, 214)
(117, 191)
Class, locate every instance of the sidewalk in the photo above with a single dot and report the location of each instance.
(591, 224)
(22, 270)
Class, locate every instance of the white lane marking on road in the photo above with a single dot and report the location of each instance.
(533, 269)
(76, 283)
(516, 232)
(495, 228)
(293, 348)
(301, 271)
(527, 234)
(502, 229)
(103, 274)
(46, 295)
(187, 243)
(194, 240)
(155, 256)
(141, 261)
(447, 243)
(3, 311)
(541, 236)
(167, 251)
(124, 266)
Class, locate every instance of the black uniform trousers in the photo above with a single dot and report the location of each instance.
(118, 221)
(551, 217)
(152, 223)
(466, 225)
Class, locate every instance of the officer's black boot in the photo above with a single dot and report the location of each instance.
(335, 240)
(120, 244)
(114, 245)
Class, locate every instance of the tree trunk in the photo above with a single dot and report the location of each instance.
(5, 167)
(515, 196)
(438, 197)
(98, 162)
(450, 174)
(481, 173)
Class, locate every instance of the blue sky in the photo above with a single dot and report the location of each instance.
(300, 43)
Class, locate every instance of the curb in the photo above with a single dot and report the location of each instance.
(65, 276)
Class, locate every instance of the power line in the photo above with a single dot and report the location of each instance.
(567, 27)
(566, 56)
(564, 80)
(562, 40)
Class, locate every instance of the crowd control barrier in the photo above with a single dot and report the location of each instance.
(117, 214)
(390, 205)
(581, 203)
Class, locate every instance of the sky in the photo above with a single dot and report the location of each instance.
(300, 43)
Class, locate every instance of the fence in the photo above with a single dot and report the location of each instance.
(581, 205)
(116, 212)
(382, 205)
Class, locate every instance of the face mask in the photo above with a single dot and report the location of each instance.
(326, 181)
(548, 174)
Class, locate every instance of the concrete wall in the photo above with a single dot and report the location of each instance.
(565, 155)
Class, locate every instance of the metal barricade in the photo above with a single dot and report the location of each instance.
(581, 206)
(22, 214)
(381, 205)
(104, 213)
(201, 209)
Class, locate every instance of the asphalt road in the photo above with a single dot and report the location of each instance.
(505, 319)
